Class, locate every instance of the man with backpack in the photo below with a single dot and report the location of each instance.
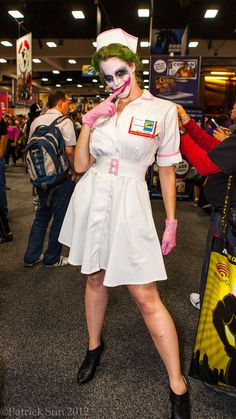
(50, 162)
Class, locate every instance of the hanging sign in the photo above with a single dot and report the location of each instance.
(24, 67)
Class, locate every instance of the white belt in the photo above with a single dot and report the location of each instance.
(120, 167)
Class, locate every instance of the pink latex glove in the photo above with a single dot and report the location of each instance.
(105, 108)
(169, 236)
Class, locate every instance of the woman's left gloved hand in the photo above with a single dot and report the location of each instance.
(169, 236)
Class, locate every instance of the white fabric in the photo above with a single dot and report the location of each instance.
(109, 223)
(120, 167)
(117, 36)
(66, 126)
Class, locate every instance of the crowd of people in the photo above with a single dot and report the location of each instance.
(107, 213)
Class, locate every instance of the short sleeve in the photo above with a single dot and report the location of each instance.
(168, 152)
(223, 155)
(68, 132)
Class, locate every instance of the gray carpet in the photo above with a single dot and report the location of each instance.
(44, 334)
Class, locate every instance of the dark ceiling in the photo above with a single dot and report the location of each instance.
(53, 18)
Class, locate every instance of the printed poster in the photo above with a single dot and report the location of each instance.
(24, 68)
(168, 40)
(175, 78)
(88, 71)
(4, 101)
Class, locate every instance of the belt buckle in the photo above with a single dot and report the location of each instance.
(114, 166)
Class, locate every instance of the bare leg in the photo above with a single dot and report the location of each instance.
(162, 330)
(96, 297)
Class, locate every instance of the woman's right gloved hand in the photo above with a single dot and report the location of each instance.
(105, 108)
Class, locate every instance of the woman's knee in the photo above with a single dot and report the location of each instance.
(95, 280)
(146, 296)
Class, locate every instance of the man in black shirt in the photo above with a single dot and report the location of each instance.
(224, 157)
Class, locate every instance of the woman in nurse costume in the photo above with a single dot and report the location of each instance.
(109, 225)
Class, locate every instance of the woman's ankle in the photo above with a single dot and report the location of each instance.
(179, 385)
(94, 343)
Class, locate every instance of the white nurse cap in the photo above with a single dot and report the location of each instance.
(117, 36)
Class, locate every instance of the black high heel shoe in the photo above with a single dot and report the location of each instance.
(89, 365)
(180, 405)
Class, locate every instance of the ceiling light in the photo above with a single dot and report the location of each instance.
(58, 85)
(146, 81)
(78, 14)
(79, 85)
(210, 13)
(145, 61)
(146, 73)
(36, 60)
(94, 81)
(44, 79)
(51, 44)
(71, 61)
(101, 86)
(193, 44)
(223, 73)
(94, 44)
(16, 14)
(146, 87)
(6, 43)
(3, 61)
(97, 95)
(68, 79)
(144, 44)
(143, 12)
(55, 71)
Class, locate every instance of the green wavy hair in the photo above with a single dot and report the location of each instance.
(115, 50)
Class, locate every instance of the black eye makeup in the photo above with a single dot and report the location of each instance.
(121, 72)
(108, 79)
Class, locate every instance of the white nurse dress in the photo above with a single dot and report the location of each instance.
(109, 223)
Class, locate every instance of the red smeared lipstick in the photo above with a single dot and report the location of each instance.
(122, 88)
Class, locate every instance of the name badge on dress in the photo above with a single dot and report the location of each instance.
(142, 126)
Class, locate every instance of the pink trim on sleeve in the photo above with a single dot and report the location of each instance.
(168, 155)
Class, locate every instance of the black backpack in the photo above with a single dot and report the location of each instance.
(46, 158)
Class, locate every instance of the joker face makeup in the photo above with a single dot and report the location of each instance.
(118, 73)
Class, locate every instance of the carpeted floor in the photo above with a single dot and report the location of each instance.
(44, 333)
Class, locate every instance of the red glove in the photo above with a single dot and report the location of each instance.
(105, 108)
(169, 237)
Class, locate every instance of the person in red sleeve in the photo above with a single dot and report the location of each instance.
(215, 159)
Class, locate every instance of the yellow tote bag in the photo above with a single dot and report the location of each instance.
(214, 354)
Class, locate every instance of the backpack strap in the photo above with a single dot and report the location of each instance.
(58, 120)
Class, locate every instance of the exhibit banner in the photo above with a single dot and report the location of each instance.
(175, 78)
(88, 71)
(24, 68)
(4, 101)
(166, 41)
